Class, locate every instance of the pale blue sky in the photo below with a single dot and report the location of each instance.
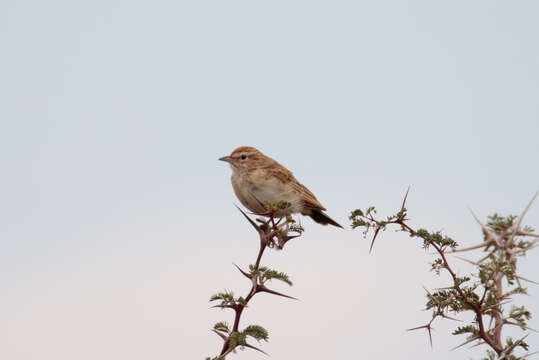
(118, 221)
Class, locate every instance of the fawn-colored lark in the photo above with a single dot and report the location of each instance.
(258, 180)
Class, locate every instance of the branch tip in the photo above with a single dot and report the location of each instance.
(405, 197)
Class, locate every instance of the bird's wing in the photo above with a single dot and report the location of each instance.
(286, 176)
(309, 200)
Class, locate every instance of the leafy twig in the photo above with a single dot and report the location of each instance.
(272, 233)
(484, 296)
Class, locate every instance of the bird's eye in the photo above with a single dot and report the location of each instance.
(243, 157)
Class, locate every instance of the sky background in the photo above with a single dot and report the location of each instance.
(117, 222)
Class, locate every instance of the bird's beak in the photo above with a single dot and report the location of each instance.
(225, 158)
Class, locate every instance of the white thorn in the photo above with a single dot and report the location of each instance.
(516, 226)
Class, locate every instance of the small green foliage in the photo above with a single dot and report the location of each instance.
(222, 326)
(283, 204)
(440, 299)
(241, 301)
(491, 355)
(360, 222)
(437, 265)
(520, 315)
(356, 213)
(423, 234)
(401, 215)
(500, 223)
(278, 206)
(437, 238)
(296, 228)
(510, 343)
(485, 275)
(227, 299)
(523, 244)
(237, 339)
(274, 274)
(266, 274)
(468, 329)
(460, 280)
(363, 219)
(257, 332)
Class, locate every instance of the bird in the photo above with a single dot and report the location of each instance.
(259, 181)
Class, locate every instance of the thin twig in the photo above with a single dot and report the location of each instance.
(266, 237)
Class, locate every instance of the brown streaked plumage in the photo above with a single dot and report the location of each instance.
(259, 180)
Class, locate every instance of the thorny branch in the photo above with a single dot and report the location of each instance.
(485, 296)
(274, 232)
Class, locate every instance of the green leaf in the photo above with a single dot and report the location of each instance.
(468, 329)
(222, 326)
(257, 332)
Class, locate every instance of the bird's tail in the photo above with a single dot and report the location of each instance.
(321, 218)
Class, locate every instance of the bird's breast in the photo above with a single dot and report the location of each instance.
(256, 192)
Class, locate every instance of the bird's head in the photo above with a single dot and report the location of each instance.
(244, 158)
